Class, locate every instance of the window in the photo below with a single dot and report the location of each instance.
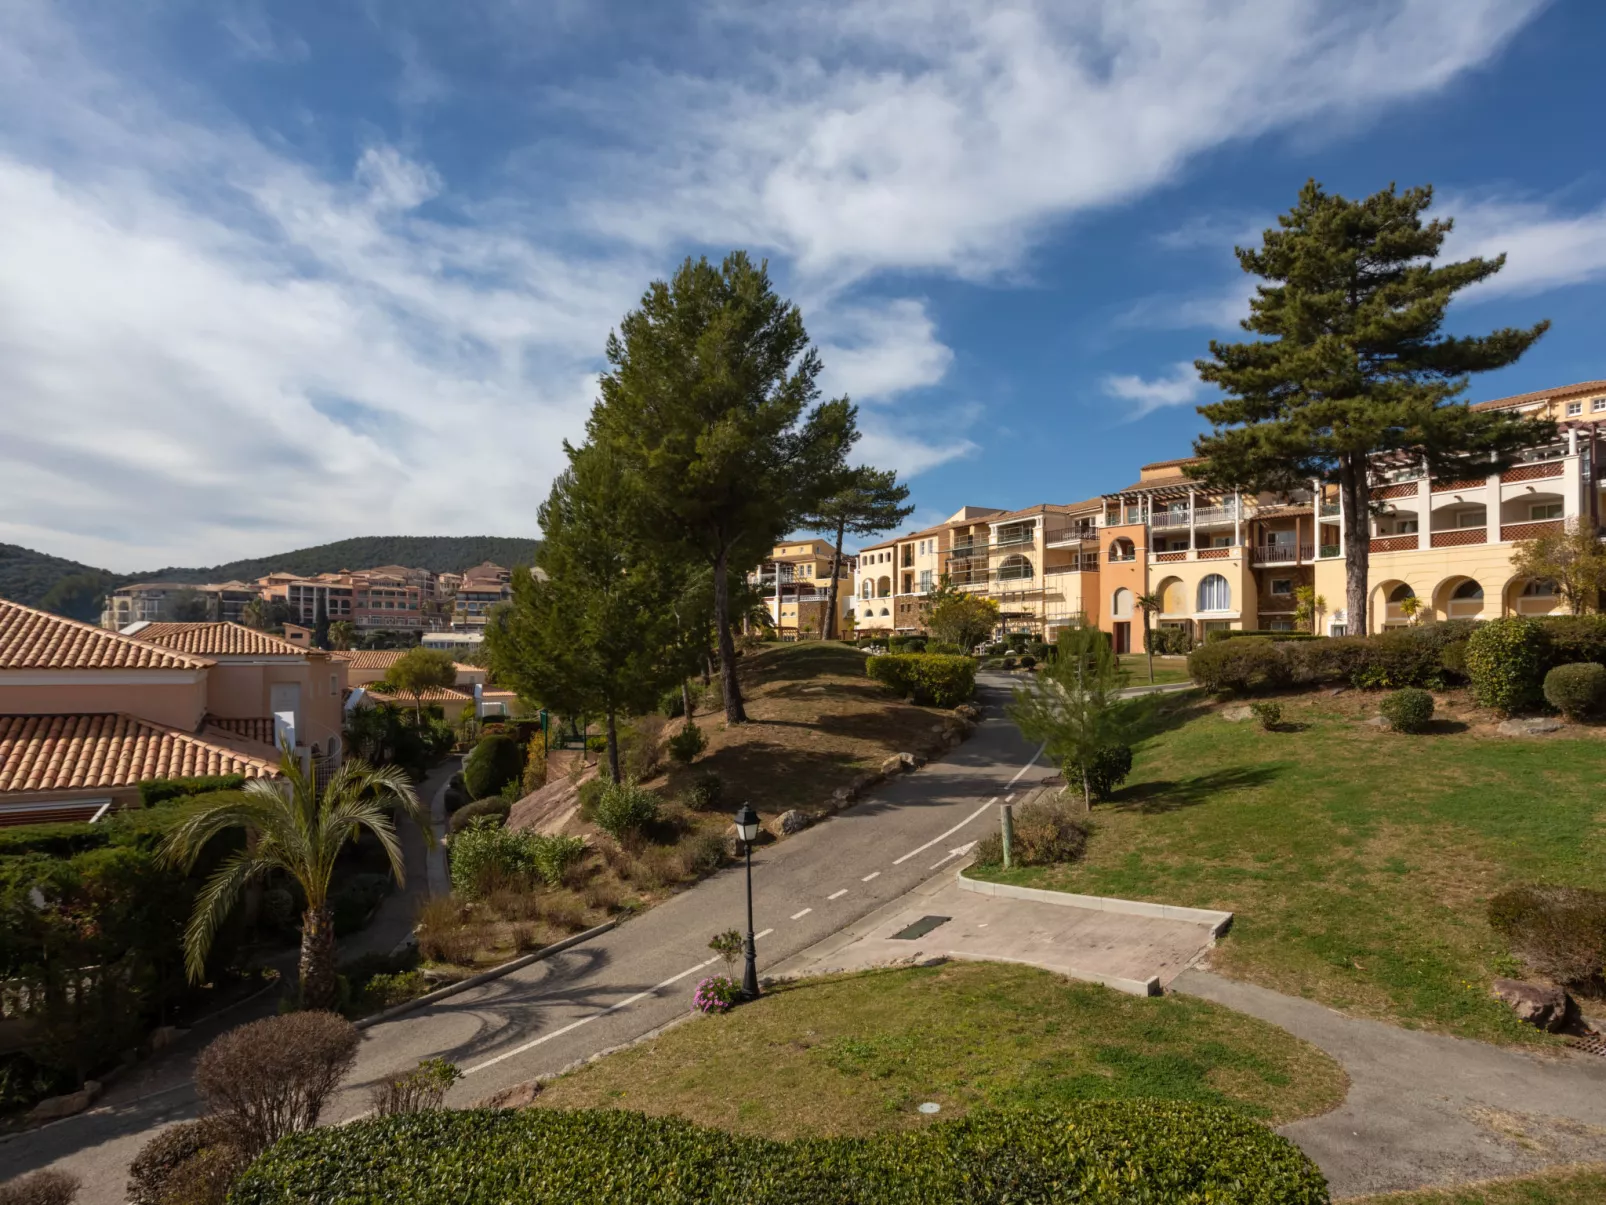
(1280, 625)
(1467, 591)
(1471, 518)
(1405, 527)
(1121, 604)
(1282, 585)
(925, 581)
(1400, 593)
(1545, 510)
(1574, 408)
(1539, 588)
(1598, 404)
(868, 590)
(1215, 594)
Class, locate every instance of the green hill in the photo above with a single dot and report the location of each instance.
(37, 579)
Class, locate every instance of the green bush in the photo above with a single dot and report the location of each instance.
(385, 990)
(496, 761)
(1269, 714)
(1506, 664)
(625, 809)
(1047, 833)
(705, 792)
(1453, 660)
(1108, 771)
(1408, 710)
(1559, 931)
(1095, 1153)
(945, 648)
(1009, 663)
(930, 679)
(496, 808)
(1240, 666)
(552, 855)
(1577, 690)
(1017, 641)
(1570, 639)
(1171, 641)
(1221, 634)
(153, 791)
(1028, 662)
(686, 744)
(54, 840)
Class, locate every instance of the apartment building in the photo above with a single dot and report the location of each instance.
(795, 581)
(894, 578)
(482, 588)
(1450, 543)
(372, 599)
(161, 602)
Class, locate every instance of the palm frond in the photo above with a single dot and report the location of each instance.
(212, 908)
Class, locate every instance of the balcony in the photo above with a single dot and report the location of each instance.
(1211, 515)
(1060, 537)
(1531, 472)
(1169, 518)
(1328, 551)
(1331, 510)
(1400, 489)
(1531, 531)
(1459, 537)
(1016, 539)
(1403, 543)
(1281, 554)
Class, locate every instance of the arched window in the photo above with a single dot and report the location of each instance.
(1215, 594)
(883, 588)
(1468, 590)
(1123, 550)
(1539, 587)
(1173, 598)
(883, 611)
(1401, 592)
(1121, 604)
(1015, 568)
(869, 589)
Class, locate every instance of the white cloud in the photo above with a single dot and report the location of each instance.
(875, 353)
(1544, 247)
(1180, 386)
(1219, 310)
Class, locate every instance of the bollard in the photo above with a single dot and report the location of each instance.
(1007, 813)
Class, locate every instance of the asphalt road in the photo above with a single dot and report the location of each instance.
(624, 983)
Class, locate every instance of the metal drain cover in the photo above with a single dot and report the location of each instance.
(920, 928)
(1595, 1044)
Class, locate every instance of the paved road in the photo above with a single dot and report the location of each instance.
(626, 982)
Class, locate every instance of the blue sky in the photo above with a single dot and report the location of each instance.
(279, 273)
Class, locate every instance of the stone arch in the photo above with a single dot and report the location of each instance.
(1173, 596)
(1532, 596)
(1458, 597)
(1123, 550)
(1384, 609)
(883, 588)
(1121, 604)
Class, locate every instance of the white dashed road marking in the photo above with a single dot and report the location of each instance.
(837, 894)
(870, 876)
(802, 914)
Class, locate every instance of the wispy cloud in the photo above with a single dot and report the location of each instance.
(1180, 386)
(1546, 246)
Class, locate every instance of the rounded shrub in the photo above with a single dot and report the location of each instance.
(624, 809)
(1505, 662)
(1243, 667)
(686, 744)
(704, 792)
(1107, 772)
(48, 1187)
(1269, 714)
(1093, 1152)
(1577, 690)
(1408, 710)
(496, 809)
(495, 762)
(1028, 662)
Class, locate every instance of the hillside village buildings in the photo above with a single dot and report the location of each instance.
(795, 582)
(1230, 560)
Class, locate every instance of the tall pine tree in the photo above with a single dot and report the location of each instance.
(1353, 362)
(866, 501)
(712, 405)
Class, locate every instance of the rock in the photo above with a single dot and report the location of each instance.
(939, 729)
(968, 711)
(164, 1036)
(1547, 1008)
(1381, 722)
(893, 764)
(1532, 726)
(865, 781)
(1237, 713)
(911, 761)
(519, 1096)
(1334, 691)
(792, 821)
(844, 794)
(53, 1107)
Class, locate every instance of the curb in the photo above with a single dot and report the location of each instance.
(1216, 921)
(496, 972)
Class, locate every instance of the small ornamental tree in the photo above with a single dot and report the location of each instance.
(420, 670)
(1574, 559)
(959, 617)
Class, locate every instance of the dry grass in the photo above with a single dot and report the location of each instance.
(1579, 1184)
(856, 1054)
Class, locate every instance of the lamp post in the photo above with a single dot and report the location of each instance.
(747, 830)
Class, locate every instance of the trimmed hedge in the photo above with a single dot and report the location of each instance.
(1425, 656)
(153, 791)
(1096, 1153)
(1408, 710)
(1240, 666)
(1506, 662)
(1171, 641)
(1220, 634)
(1577, 690)
(496, 761)
(930, 679)
(495, 807)
(906, 644)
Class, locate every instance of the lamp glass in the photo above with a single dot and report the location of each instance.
(747, 824)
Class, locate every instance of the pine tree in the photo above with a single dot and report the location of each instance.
(320, 625)
(1353, 363)
(867, 501)
(713, 406)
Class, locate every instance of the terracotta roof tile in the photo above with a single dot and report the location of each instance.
(1166, 464)
(258, 728)
(31, 639)
(435, 694)
(1564, 391)
(217, 640)
(103, 751)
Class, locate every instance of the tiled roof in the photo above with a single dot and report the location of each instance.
(91, 752)
(435, 694)
(369, 658)
(217, 640)
(258, 728)
(1160, 483)
(31, 639)
(1166, 464)
(1501, 403)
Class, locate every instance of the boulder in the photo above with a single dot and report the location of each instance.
(1237, 713)
(911, 761)
(1334, 691)
(844, 795)
(968, 711)
(792, 821)
(1547, 1008)
(54, 1107)
(865, 781)
(519, 1096)
(1533, 726)
(164, 1036)
(1381, 722)
(893, 764)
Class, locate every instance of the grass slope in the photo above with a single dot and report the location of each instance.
(1584, 1185)
(857, 1054)
(1359, 863)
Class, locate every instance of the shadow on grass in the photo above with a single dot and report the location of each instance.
(1171, 795)
(1443, 728)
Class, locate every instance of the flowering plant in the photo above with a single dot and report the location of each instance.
(716, 994)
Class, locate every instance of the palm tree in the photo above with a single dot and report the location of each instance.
(255, 614)
(1149, 604)
(290, 827)
(342, 634)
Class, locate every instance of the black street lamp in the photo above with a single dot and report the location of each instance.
(747, 830)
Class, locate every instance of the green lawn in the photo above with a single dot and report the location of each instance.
(1134, 670)
(1565, 1186)
(857, 1054)
(1358, 863)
